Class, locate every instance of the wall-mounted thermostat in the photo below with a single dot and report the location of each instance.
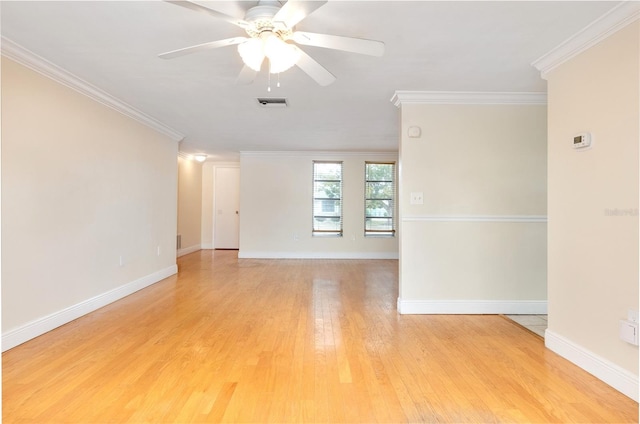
(582, 141)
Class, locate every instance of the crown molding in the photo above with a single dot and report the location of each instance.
(598, 30)
(467, 98)
(38, 64)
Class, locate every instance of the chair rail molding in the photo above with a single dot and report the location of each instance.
(476, 218)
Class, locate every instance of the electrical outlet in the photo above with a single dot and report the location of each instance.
(416, 198)
(629, 332)
(158, 250)
(296, 237)
(632, 315)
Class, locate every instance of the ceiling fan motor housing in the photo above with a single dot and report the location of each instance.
(260, 19)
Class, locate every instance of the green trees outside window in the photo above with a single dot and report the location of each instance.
(327, 198)
(379, 203)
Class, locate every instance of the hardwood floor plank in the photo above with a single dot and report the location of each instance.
(291, 341)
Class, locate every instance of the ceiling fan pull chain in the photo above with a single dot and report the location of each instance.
(278, 85)
(269, 80)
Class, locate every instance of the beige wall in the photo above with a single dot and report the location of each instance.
(276, 203)
(478, 243)
(82, 187)
(593, 250)
(189, 204)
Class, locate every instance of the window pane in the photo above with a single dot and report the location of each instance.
(379, 208)
(377, 190)
(328, 171)
(379, 224)
(379, 203)
(327, 198)
(327, 207)
(327, 224)
(328, 190)
(380, 171)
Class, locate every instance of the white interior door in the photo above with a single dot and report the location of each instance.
(226, 231)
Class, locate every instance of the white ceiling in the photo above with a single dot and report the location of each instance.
(430, 46)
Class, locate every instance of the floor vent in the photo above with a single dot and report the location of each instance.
(272, 102)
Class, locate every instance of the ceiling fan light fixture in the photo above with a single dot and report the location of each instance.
(252, 53)
(282, 56)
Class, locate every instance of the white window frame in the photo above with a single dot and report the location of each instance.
(317, 215)
(369, 232)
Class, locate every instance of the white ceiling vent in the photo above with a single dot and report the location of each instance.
(272, 102)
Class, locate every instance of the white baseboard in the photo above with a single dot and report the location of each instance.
(45, 324)
(618, 378)
(317, 255)
(187, 250)
(207, 246)
(471, 307)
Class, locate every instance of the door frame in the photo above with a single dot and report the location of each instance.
(215, 209)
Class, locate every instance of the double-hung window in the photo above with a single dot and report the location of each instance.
(327, 198)
(379, 202)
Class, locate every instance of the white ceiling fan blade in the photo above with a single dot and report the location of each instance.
(294, 11)
(246, 76)
(336, 42)
(203, 46)
(314, 69)
(196, 7)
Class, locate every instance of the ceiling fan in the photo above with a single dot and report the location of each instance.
(271, 34)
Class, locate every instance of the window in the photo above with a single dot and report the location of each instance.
(327, 198)
(379, 202)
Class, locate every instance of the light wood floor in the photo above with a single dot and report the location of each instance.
(293, 341)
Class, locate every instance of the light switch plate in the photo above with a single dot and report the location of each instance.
(416, 198)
